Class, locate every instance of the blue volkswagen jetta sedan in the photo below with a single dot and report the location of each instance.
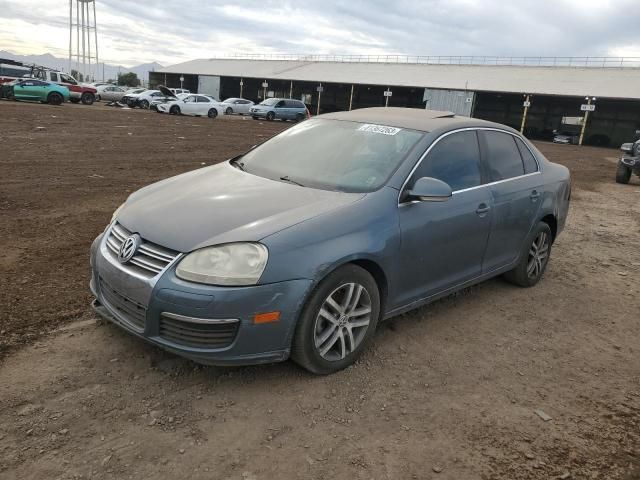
(301, 246)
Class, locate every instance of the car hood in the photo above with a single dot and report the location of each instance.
(166, 92)
(222, 204)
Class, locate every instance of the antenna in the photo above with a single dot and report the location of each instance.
(83, 28)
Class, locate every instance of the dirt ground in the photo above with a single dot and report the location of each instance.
(449, 391)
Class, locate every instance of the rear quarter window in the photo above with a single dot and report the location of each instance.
(530, 163)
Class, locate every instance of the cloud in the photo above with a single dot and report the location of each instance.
(135, 32)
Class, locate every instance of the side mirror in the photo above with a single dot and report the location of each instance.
(427, 189)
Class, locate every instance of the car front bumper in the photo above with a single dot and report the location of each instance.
(208, 324)
(260, 114)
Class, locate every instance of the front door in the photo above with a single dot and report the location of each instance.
(443, 243)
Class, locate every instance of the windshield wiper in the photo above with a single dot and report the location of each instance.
(287, 178)
(237, 163)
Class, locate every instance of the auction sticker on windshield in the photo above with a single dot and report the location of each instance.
(367, 127)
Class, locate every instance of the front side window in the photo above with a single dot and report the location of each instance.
(67, 79)
(190, 99)
(455, 160)
(503, 156)
(332, 155)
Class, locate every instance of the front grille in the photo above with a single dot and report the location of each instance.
(149, 260)
(198, 335)
(128, 310)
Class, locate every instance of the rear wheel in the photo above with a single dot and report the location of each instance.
(299, 117)
(271, 116)
(534, 260)
(55, 98)
(229, 111)
(88, 98)
(212, 113)
(175, 110)
(623, 173)
(337, 322)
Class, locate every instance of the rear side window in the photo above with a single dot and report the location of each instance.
(455, 160)
(530, 164)
(54, 76)
(503, 156)
(293, 104)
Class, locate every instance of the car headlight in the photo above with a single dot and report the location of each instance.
(231, 264)
(115, 214)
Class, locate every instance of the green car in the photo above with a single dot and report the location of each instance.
(36, 90)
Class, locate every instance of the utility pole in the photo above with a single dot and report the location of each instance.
(291, 89)
(320, 88)
(351, 98)
(527, 104)
(586, 108)
(241, 84)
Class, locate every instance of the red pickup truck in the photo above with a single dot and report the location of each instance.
(79, 92)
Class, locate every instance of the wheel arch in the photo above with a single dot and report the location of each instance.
(552, 221)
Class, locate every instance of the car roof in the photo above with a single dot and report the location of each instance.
(412, 118)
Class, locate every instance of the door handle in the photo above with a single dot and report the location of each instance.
(535, 195)
(483, 209)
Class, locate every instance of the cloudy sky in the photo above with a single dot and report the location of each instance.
(133, 32)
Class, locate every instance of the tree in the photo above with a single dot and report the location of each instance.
(130, 79)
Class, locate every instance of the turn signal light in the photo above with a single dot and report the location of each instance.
(266, 317)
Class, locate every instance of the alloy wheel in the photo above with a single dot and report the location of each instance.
(342, 322)
(538, 255)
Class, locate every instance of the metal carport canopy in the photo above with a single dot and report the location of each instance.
(621, 83)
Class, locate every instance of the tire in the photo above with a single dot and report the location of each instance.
(98, 98)
(299, 117)
(534, 258)
(255, 118)
(174, 110)
(229, 111)
(144, 104)
(270, 116)
(55, 98)
(623, 173)
(88, 98)
(322, 343)
(74, 100)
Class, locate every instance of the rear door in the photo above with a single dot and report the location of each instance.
(516, 196)
(443, 243)
(203, 105)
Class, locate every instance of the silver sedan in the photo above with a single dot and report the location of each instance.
(237, 105)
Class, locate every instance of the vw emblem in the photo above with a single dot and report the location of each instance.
(129, 248)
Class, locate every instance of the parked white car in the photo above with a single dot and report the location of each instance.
(178, 91)
(237, 105)
(195, 105)
(110, 93)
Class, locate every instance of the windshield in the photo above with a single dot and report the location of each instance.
(270, 101)
(332, 155)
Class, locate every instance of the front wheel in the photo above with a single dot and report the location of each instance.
(623, 173)
(229, 111)
(175, 110)
(534, 259)
(271, 116)
(98, 98)
(212, 113)
(144, 104)
(337, 322)
(55, 99)
(88, 98)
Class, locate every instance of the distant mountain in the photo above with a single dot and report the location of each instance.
(110, 71)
